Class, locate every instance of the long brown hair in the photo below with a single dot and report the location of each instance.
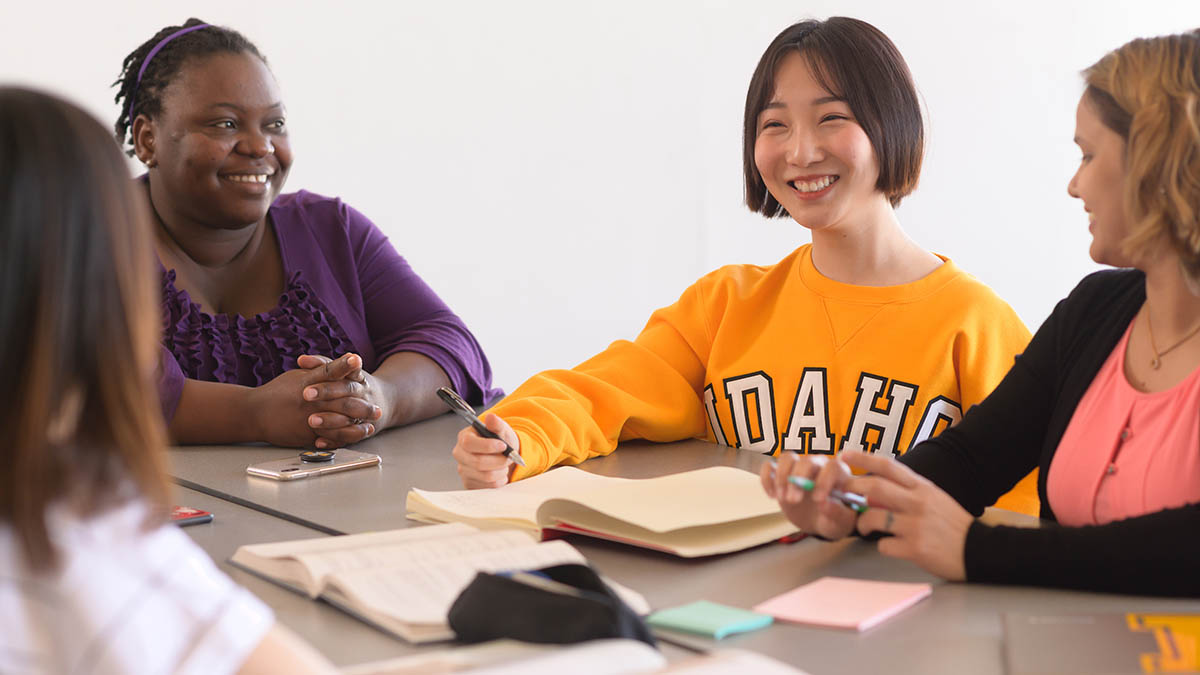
(1148, 91)
(78, 323)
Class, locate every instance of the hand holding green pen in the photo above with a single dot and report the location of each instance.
(850, 499)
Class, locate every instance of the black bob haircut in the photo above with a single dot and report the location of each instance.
(855, 61)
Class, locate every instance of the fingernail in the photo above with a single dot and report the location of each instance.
(370, 429)
(310, 394)
(355, 361)
(320, 443)
(377, 412)
(314, 421)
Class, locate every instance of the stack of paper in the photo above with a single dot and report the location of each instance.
(844, 603)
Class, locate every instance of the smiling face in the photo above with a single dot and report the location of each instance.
(814, 158)
(220, 144)
(1100, 184)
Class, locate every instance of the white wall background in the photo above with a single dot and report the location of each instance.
(557, 170)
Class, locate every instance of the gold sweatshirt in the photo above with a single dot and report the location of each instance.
(776, 358)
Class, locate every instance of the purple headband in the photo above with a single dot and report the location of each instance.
(146, 61)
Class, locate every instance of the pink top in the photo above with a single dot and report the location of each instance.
(1127, 453)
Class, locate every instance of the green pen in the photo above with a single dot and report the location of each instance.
(850, 499)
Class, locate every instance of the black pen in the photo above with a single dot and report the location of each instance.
(465, 411)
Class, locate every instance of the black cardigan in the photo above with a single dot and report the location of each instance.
(1018, 427)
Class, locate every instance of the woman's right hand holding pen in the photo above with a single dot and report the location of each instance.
(812, 511)
(481, 461)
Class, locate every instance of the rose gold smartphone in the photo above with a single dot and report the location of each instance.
(295, 468)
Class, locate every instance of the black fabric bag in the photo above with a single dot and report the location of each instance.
(496, 606)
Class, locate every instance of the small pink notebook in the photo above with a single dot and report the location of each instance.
(844, 603)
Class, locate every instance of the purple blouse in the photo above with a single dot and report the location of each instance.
(347, 290)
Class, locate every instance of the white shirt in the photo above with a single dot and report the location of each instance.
(124, 600)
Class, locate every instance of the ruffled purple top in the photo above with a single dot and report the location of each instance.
(348, 290)
(248, 350)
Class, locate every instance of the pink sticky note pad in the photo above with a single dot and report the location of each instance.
(844, 603)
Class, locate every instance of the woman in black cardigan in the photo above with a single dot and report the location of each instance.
(1125, 340)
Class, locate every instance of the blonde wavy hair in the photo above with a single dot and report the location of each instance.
(1148, 91)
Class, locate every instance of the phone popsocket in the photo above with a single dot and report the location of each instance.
(311, 463)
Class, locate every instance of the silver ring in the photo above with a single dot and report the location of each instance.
(356, 420)
(887, 524)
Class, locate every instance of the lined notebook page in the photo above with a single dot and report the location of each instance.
(288, 549)
(421, 552)
(283, 561)
(423, 593)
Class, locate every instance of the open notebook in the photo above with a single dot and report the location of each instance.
(404, 581)
(704, 512)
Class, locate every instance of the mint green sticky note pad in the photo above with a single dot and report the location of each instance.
(709, 618)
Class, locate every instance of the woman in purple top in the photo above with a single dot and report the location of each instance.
(287, 318)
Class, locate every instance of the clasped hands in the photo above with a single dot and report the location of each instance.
(324, 403)
(927, 526)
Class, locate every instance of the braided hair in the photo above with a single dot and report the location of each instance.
(147, 94)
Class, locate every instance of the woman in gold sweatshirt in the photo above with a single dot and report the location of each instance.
(860, 340)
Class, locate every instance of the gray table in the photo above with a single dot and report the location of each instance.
(355, 501)
(342, 638)
(958, 629)
(370, 499)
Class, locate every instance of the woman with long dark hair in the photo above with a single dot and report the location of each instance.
(95, 580)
